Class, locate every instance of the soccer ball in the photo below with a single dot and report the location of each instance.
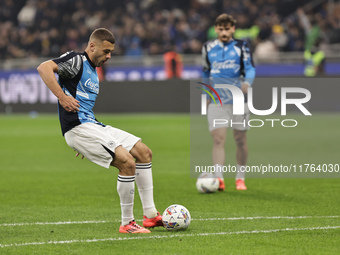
(207, 183)
(176, 217)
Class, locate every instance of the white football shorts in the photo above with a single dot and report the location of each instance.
(220, 116)
(98, 143)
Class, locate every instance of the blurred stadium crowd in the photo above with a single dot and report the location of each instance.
(40, 28)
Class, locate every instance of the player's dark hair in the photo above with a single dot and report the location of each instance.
(103, 34)
(225, 19)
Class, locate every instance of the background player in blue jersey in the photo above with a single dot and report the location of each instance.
(227, 61)
(77, 89)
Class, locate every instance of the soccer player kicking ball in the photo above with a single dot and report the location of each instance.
(226, 61)
(77, 90)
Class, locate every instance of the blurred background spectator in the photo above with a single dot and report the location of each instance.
(39, 28)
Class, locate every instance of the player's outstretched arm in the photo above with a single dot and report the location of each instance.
(46, 71)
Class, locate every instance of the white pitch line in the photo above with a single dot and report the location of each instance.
(170, 236)
(56, 223)
(194, 219)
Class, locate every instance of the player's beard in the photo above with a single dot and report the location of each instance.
(225, 38)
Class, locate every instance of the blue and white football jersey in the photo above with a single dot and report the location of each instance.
(78, 78)
(227, 63)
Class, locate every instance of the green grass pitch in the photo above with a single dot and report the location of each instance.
(54, 203)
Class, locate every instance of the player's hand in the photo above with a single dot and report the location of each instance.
(82, 156)
(69, 103)
(244, 87)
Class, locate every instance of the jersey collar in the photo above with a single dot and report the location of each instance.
(222, 44)
(88, 59)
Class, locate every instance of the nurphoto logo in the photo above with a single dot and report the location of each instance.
(238, 103)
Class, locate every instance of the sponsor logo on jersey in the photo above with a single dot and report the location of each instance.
(228, 64)
(92, 85)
